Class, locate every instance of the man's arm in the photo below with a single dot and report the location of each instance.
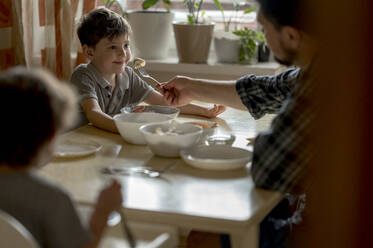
(98, 118)
(210, 112)
(258, 94)
(182, 90)
(266, 94)
(282, 153)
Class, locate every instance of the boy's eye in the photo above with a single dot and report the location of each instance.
(126, 45)
(113, 47)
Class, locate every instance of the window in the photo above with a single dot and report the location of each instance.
(238, 19)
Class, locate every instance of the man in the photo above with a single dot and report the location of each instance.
(281, 154)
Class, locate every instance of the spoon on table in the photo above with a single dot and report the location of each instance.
(145, 171)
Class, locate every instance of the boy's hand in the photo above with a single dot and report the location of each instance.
(217, 109)
(110, 198)
(177, 92)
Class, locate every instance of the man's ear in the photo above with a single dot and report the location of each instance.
(88, 51)
(291, 38)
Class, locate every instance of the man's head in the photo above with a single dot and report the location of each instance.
(103, 35)
(283, 28)
(36, 106)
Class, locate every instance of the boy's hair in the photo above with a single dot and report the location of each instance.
(36, 106)
(101, 23)
(282, 12)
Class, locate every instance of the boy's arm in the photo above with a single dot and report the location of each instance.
(156, 98)
(98, 118)
(109, 200)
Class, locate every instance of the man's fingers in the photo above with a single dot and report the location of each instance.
(139, 109)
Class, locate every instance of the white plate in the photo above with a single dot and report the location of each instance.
(75, 149)
(217, 157)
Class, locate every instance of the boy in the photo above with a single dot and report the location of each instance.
(38, 108)
(107, 84)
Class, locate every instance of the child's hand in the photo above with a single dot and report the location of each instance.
(110, 198)
(214, 111)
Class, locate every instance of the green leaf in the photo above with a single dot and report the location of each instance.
(219, 5)
(249, 10)
(191, 20)
(149, 3)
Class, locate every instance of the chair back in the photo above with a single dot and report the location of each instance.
(14, 234)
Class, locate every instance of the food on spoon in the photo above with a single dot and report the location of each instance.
(138, 63)
(204, 124)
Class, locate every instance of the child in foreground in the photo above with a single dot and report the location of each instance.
(36, 108)
(107, 84)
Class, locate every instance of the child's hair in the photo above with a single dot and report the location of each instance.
(101, 23)
(36, 106)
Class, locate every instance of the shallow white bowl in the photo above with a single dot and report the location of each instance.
(216, 157)
(166, 110)
(168, 145)
(128, 125)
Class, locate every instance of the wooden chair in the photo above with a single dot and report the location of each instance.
(14, 234)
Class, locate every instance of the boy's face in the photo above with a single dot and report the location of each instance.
(110, 57)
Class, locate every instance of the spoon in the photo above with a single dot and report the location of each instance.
(146, 171)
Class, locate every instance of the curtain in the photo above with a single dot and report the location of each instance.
(34, 32)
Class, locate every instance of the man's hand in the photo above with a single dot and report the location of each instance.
(178, 91)
(138, 109)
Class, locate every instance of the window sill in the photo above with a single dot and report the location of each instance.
(170, 67)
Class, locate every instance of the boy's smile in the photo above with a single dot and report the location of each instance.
(110, 57)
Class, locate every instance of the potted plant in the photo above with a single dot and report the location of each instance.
(249, 41)
(226, 43)
(193, 38)
(151, 28)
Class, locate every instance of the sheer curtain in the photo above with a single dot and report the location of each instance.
(41, 32)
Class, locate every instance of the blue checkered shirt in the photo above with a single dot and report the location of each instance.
(281, 152)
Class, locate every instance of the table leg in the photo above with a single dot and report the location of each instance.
(246, 239)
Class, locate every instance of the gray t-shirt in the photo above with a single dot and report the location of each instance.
(130, 89)
(44, 209)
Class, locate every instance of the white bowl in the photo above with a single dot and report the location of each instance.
(128, 125)
(169, 144)
(216, 157)
(166, 110)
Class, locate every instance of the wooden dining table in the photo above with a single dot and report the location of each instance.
(184, 196)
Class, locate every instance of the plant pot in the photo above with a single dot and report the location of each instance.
(263, 53)
(193, 42)
(227, 47)
(151, 33)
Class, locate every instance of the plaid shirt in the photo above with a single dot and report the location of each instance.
(281, 152)
(266, 94)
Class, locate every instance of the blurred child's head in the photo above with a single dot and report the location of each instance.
(104, 36)
(36, 106)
